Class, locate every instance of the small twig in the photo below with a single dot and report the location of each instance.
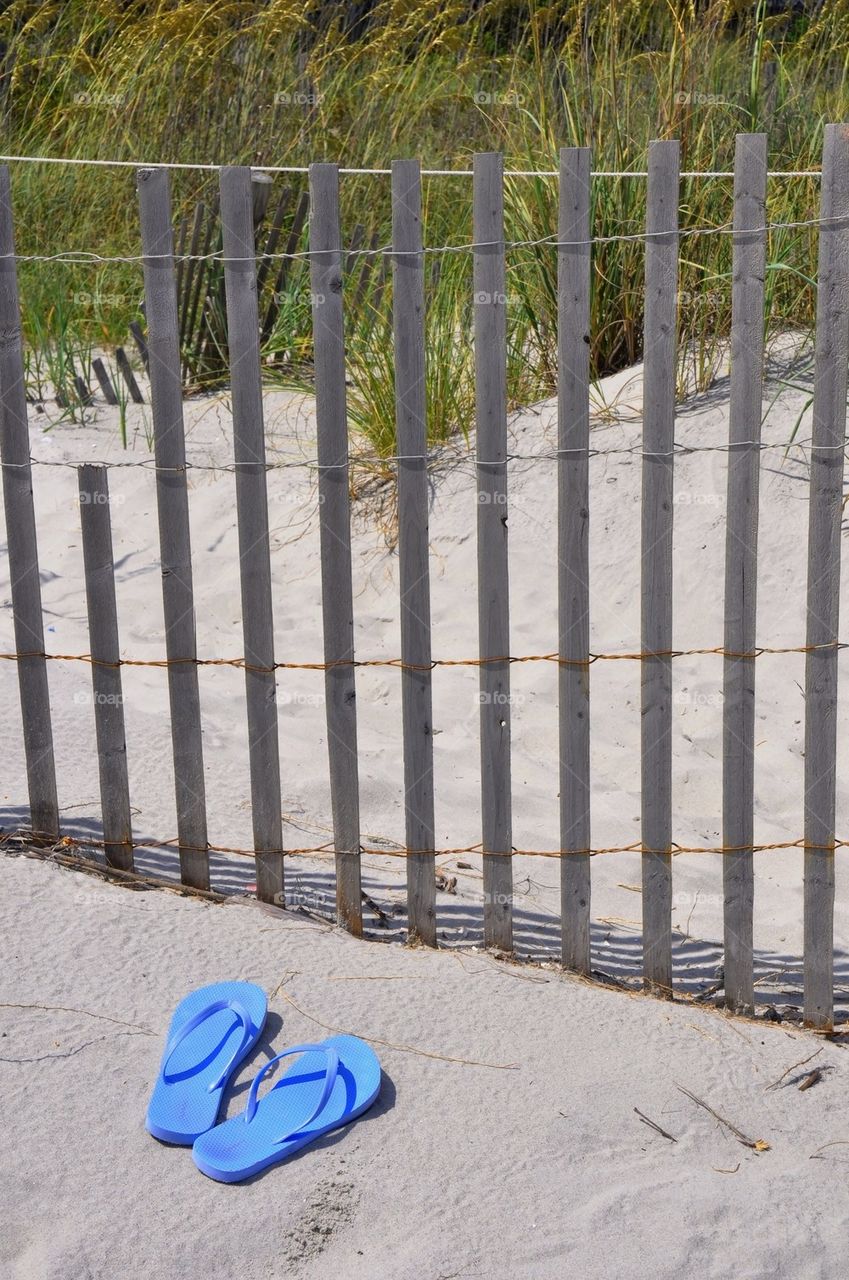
(87, 1013)
(838, 1142)
(755, 1144)
(734, 1170)
(786, 1073)
(651, 1124)
(812, 1078)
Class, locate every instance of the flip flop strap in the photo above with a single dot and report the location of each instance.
(331, 1072)
(215, 1007)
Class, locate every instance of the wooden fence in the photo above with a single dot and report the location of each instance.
(167, 325)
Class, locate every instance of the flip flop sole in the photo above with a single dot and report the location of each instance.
(183, 1106)
(235, 1149)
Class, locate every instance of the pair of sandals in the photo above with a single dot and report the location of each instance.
(212, 1031)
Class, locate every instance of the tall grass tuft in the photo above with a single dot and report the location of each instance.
(277, 82)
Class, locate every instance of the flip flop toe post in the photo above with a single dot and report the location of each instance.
(212, 1030)
(331, 1084)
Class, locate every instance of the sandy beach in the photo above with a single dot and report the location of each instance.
(504, 1142)
(700, 477)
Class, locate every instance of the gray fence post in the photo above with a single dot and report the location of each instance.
(826, 510)
(335, 530)
(107, 690)
(741, 563)
(238, 213)
(408, 312)
(21, 539)
(490, 307)
(573, 415)
(174, 539)
(659, 345)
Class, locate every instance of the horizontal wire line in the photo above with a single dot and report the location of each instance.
(426, 173)
(399, 663)
(375, 460)
(327, 848)
(85, 257)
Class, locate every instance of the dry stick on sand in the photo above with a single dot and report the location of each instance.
(786, 1073)
(756, 1144)
(651, 1124)
(812, 1078)
(838, 1142)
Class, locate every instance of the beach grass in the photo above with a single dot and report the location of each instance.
(262, 83)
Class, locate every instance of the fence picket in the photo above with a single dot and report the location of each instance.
(238, 214)
(335, 531)
(21, 539)
(96, 527)
(102, 375)
(741, 562)
(408, 311)
(490, 299)
(659, 345)
(126, 371)
(573, 415)
(825, 514)
(174, 537)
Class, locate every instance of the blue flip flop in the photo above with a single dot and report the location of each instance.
(333, 1083)
(211, 1031)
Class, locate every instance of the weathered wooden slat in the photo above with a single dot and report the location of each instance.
(83, 390)
(659, 343)
(126, 372)
(190, 270)
(366, 270)
(261, 185)
(252, 514)
(335, 533)
(105, 652)
(174, 538)
(741, 562)
(182, 230)
(21, 539)
(408, 310)
(141, 343)
(273, 239)
(102, 375)
(284, 271)
(490, 306)
(573, 412)
(826, 510)
(205, 289)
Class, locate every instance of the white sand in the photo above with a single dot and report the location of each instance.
(459, 1171)
(615, 514)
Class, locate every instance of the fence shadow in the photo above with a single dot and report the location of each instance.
(616, 950)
